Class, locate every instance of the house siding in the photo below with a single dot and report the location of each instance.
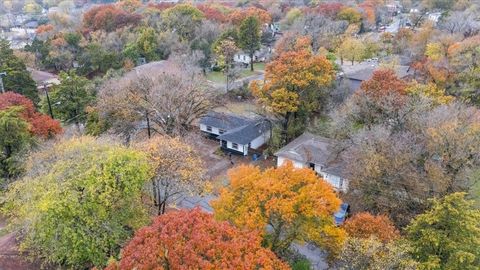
(336, 181)
(260, 140)
(241, 148)
(215, 130)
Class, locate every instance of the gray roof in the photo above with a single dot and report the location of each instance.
(246, 134)
(310, 148)
(367, 72)
(224, 121)
(238, 129)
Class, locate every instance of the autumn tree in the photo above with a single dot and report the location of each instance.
(351, 49)
(190, 239)
(17, 77)
(215, 12)
(349, 14)
(249, 37)
(70, 98)
(383, 83)
(365, 225)
(401, 157)
(294, 82)
(226, 50)
(178, 171)
(40, 125)
(240, 15)
(286, 203)
(330, 9)
(448, 235)
(370, 253)
(14, 139)
(183, 19)
(79, 201)
(164, 102)
(109, 18)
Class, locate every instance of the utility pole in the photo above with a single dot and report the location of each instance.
(48, 101)
(1, 81)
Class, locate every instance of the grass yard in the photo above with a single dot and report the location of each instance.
(219, 77)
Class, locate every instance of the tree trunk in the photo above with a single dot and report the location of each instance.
(251, 61)
(148, 125)
(285, 128)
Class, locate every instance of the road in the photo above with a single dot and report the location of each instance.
(238, 83)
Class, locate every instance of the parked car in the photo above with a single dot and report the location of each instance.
(342, 214)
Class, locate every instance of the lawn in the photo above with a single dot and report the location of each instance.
(219, 77)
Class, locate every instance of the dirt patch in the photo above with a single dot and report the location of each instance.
(10, 257)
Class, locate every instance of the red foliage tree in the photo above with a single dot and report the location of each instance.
(213, 13)
(384, 82)
(194, 240)
(40, 125)
(160, 6)
(109, 18)
(330, 9)
(365, 225)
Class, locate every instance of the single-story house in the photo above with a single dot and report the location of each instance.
(364, 71)
(259, 56)
(317, 153)
(236, 134)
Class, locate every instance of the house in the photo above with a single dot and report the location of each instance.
(355, 75)
(236, 134)
(259, 56)
(317, 153)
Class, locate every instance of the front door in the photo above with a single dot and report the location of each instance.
(224, 144)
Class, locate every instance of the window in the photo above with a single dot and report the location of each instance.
(340, 186)
(234, 146)
(209, 128)
(221, 131)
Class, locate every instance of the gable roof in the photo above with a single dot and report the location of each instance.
(237, 129)
(223, 121)
(247, 133)
(310, 148)
(366, 73)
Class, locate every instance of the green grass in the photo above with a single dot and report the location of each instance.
(219, 77)
(216, 76)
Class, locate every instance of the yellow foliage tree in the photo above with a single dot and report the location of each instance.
(286, 204)
(431, 91)
(177, 170)
(351, 49)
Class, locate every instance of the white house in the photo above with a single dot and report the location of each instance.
(236, 134)
(259, 56)
(317, 153)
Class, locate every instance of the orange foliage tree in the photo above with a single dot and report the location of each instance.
(194, 240)
(241, 14)
(365, 225)
(384, 82)
(294, 80)
(288, 204)
(40, 124)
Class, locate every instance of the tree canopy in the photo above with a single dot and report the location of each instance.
(194, 239)
(79, 201)
(447, 236)
(286, 203)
